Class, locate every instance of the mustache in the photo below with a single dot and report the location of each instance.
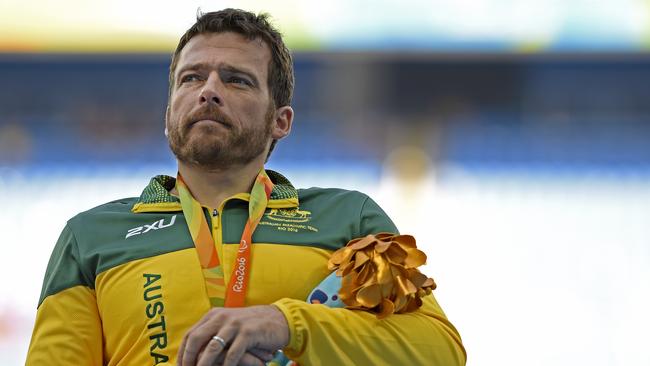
(209, 112)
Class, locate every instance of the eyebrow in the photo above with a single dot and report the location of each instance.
(224, 67)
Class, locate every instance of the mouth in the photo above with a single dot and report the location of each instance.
(209, 121)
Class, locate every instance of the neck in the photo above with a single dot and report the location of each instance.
(210, 187)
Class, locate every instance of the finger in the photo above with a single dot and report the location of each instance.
(191, 351)
(236, 351)
(181, 349)
(262, 354)
(200, 335)
(211, 353)
(215, 349)
(250, 360)
(247, 359)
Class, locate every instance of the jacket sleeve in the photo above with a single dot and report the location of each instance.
(320, 335)
(333, 336)
(68, 329)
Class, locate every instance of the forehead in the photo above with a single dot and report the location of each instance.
(229, 48)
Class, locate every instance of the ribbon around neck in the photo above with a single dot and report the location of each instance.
(219, 294)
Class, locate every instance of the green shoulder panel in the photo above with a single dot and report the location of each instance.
(374, 220)
(326, 218)
(108, 236)
(63, 270)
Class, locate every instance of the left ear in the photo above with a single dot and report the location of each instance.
(282, 122)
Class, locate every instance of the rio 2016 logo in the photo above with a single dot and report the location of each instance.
(239, 275)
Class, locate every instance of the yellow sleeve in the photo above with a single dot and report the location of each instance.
(68, 330)
(320, 335)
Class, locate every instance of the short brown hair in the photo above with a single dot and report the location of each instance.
(280, 80)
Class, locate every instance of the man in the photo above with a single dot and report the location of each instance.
(214, 266)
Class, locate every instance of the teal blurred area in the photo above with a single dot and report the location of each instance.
(525, 178)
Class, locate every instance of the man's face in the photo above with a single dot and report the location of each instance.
(220, 112)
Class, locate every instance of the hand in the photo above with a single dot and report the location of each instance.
(255, 329)
(250, 358)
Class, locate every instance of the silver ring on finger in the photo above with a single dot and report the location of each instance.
(220, 340)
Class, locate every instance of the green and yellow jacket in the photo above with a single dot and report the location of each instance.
(124, 282)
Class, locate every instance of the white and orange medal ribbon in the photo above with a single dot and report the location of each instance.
(234, 294)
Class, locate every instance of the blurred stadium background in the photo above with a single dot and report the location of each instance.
(510, 137)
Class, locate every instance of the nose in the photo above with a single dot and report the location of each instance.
(211, 93)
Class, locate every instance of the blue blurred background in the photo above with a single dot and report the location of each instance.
(569, 114)
(511, 138)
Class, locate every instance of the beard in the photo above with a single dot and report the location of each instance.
(206, 147)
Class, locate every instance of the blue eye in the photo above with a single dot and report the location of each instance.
(190, 78)
(238, 80)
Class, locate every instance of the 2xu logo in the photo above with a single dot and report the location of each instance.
(160, 224)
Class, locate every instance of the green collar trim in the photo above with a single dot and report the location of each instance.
(156, 196)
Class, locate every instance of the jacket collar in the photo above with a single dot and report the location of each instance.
(156, 197)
